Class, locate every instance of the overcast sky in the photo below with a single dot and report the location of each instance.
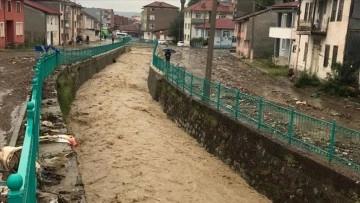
(123, 5)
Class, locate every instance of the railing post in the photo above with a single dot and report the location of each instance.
(191, 84)
(260, 112)
(14, 183)
(218, 96)
(177, 76)
(203, 90)
(332, 140)
(291, 125)
(237, 102)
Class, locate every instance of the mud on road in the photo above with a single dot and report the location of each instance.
(16, 73)
(130, 152)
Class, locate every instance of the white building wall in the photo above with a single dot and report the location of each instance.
(52, 28)
(336, 35)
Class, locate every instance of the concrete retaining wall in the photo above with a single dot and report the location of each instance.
(281, 172)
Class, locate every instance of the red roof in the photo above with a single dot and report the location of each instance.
(159, 4)
(221, 24)
(129, 28)
(164, 31)
(41, 7)
(206, 5)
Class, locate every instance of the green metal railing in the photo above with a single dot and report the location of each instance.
(23, 184)
(335, 143)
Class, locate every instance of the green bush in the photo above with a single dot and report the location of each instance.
(306, 79)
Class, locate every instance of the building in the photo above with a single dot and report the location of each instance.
(45, 29)
(91, 27)
(328, 32)
(109, 18)
(120, 21)
(163, 35)
(71, 23)
(11, 23)
(241, 7)
(133, 30)
(157, 16)
(284, 33)
(199, 13)
(263, 45)
(224, 32)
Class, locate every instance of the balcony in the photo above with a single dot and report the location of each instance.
(79, 17)
(281, 32)
(316, 27)
(198, 20)
(67, 16)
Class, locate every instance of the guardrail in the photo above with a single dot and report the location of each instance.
(23, 184)
(333, 142)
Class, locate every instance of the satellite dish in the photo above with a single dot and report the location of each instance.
(67, 25)
(67, 8)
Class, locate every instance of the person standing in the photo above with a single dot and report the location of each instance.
(112, 38)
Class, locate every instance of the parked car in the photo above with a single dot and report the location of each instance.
(162, 41)
(180, 44)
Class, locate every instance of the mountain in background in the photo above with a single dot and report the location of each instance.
(127, 14)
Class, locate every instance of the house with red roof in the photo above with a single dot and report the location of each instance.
(45, 29)
(157, 16)
(224, 32)
(199, 13)
(11, 23)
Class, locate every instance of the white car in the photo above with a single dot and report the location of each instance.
(180, 44)
(162, 41)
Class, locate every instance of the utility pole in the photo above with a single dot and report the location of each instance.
(63, 23)
(210, 48)
(252, 33)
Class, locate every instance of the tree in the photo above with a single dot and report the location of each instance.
(192, 2)
(176, 27)
(263, 4)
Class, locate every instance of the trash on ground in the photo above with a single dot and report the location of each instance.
(59, 138)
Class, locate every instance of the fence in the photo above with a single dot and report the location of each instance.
(335, 143)
(23, 184)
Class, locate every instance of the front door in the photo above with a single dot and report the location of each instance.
(315, 59)
(10, 31)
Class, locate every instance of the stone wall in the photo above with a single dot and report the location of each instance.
(275, 169)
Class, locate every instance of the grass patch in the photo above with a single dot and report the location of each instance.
(65, 87)
(270, 68)
(305, 80)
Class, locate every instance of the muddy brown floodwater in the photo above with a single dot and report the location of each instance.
(130, 152)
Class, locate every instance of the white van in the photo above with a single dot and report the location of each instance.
(122, 35)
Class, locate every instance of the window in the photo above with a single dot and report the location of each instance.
(340, 11)
(221, 15)
(198, 15)
(0, 5)
(333, 11)
(334, 56)
(8, 6)
(19, 28)
(152, 9)
(308, 12)
(306, 51)
(226, 34)
(326, 55)
(2, 29)
(18, 6)
(151, 26)
(152, 17)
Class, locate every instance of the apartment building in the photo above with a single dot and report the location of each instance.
(157, 16)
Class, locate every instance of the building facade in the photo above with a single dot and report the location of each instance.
(157, 16)
(263, 45)
(199, 14)
(11, 23)
(45, 29)
(224, 32)
(284, 33)
(327, 33)
(91, 27)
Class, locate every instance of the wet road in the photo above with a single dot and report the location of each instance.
(130, 152)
